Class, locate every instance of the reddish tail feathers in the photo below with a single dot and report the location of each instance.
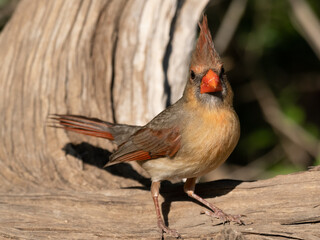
(88, 126)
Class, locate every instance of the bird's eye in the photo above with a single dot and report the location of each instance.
(192, 75)
(221, 71)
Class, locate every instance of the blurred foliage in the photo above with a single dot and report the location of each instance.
(3, 3)
(267, 46)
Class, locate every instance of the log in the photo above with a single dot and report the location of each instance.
(284, 207)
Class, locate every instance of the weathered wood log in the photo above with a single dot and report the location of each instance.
(284, 207)
(120, 61)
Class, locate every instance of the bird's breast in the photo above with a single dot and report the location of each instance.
(208, 139)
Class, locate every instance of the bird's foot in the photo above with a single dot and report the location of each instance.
(224, 217)
(169, 231)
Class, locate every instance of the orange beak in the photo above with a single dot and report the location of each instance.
(210, 83)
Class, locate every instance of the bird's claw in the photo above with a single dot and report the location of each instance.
(225, 218)
(169, 231)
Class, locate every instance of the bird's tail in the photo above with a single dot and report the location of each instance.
(88, 126)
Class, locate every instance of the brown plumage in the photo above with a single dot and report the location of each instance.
(188, 139)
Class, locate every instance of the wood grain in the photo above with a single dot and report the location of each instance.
(284, 207)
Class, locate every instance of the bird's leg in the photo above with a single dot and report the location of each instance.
(189, 187)
(155, 186)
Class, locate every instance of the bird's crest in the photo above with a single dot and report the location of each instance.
(205, 54)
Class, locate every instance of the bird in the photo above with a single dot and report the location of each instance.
(187, 140)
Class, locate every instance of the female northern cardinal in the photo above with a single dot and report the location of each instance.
(188, 139)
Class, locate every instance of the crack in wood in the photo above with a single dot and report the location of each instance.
(287, 236)
(303, 221)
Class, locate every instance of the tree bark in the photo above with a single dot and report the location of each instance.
(120, 61)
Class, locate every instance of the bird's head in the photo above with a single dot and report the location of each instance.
(207, 80)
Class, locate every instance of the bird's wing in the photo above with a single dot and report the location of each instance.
(147, 144)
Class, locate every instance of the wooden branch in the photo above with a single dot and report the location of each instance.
(229, 25)
(284, 207)
(280, 122)
(306, 23)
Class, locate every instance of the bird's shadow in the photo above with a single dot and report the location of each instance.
(99, 157)
(171, 192)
